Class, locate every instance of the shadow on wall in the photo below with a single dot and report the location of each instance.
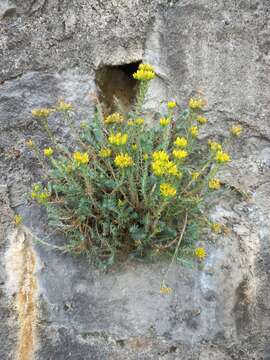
(116, 87)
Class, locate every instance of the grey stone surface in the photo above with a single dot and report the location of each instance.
(51, 50)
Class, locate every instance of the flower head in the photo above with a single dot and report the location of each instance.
(180, 142)
(160, 155)
(171, 104)
(236, 130)
(214, 146)
(81, 158)
(195, 175)
(118, 139)
(216, 228)
(196, 104)
(201, 119)
(167, 190)
(144, 73)
(134, 147)
(180, 154)
(48, 152)
(105, 152)
(200, 253)
(165, 290)
(114, 118)
(43, 197)
(194, 130)
(123, 160)
(30, 143)
(222, 157)
(18, 219)
(164, 121)
(214, 184)
(42, 112)
(139, 121)
(130, 123)
(63, 106)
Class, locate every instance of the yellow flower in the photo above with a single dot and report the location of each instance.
(139, 121)
(118, 139)
(63, 106)
(171, 104)
(165, 290)
(114, 118)
(144, 73)
(42, 112)
(214, 146)
(195, 175)
(120, 203)
(48, 152)
(194, 130)
(236, 130)
(145, 157)
(200, 253)
(216, 228)
(181, 142)
(167, 190)
(166, 167)
(214, 184)
(36, 187)
(160, 155)
(81, 158)
(171, 169)
(195, 104)
(158, 167)
(123, 160)
(34, 195)
(222, 157)
(42, 197)
(164, 121)
(130, 123)
(134, 147)
(180, 154)
(18, 219)
(201, 119)
(30, 143)
(105, 152)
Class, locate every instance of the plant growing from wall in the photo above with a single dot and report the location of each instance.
(129, 188)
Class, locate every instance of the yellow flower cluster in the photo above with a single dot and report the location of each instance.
(180, 142)
(195, 104)
(114, 118)
(81, 158)
(164, 121)
(194, 130)
(134, 147)
(139, 121)
(42, 112)
(48, 152)
(105, 152)
(200, 253)
(171, 104)
(214, 146)
(201, 119)
(63, 106)
(39, 195)
(144, 73)
(167, 190)
(165, 290)
(18, 219)
(216, 228)
(222, 157)
(236, 130)
(162, 166)
(160, 155)
(118, 139)
(30, 143)
(180, 154)
(214, 184)
(123, 160)
(195, 175)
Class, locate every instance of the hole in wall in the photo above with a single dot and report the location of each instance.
(116, 86)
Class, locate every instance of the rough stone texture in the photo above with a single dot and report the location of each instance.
(49, 50)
